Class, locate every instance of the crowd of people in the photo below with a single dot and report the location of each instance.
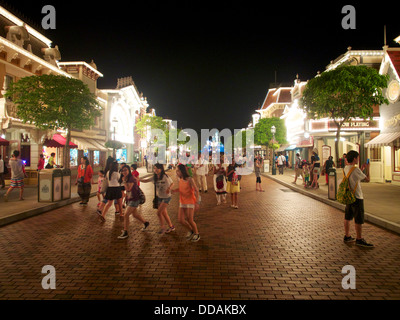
(119, 184)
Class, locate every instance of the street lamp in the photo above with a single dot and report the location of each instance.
(115, 123)
(273, 130)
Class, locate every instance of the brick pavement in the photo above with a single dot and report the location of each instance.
(277, 245)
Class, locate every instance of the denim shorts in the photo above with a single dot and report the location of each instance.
(165, 200)
(133, 204)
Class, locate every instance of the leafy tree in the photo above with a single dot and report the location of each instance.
(344, 93)
(55, 102)
(264, 136)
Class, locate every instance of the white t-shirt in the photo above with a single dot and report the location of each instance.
(162, 186)
(201, 171)
(356, 176)
(113, 181)
(281, 160)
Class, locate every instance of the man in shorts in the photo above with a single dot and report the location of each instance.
(17, 176)
(356, 209)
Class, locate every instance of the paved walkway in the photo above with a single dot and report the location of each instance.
(381, 200)
(278, 245)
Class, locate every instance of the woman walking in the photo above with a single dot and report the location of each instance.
(233, 186)
(257, 171)
(114, 191)
(188, 193)
(163, 191)
(132, 200)
(83, 180)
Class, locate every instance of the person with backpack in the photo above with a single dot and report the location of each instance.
(356, 209)
(132, 199)
(163, 185)
(233, 186)
(220, 183)
(298, 168)
(281, 162)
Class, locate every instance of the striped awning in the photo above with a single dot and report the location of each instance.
(384, 139)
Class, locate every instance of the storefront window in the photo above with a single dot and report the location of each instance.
(397, 159)
(121, 155)
(96, 157)
(375, 154)
(73, 155)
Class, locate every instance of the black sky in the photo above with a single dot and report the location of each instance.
(209, 64)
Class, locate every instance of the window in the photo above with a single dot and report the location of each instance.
(73, 155)
(96, 157)
(375, 154)
(397, 159)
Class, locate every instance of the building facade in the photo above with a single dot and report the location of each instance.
(25, 52)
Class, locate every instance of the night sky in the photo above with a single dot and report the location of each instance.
(209, 64)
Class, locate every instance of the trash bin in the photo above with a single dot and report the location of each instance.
(66, 184)
(50, 185)
(332, 183)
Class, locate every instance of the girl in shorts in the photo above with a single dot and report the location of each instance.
(188, 193)
(132, 200)
(163, 191)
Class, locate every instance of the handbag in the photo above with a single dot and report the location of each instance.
(82, 179)
(155, 200)
(104, 185)
(142, 197)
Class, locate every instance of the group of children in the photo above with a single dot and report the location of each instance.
(127, 194)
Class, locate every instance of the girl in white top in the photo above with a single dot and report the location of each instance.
(113, 190)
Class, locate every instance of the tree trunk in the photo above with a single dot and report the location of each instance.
(339, 126)
(66, 150)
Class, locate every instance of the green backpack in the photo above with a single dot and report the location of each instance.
(345, 195)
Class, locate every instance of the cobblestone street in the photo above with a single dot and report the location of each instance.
(278, 245)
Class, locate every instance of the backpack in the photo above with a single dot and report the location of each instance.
(300, 163)
(344, 194)
(235, 179)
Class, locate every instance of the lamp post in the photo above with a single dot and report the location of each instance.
(273, 130)
(115, 123)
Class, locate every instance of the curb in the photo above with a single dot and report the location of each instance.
(34, 212)
(389, 225)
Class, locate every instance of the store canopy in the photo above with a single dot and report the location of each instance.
(58, 141)
(89, 144)
(4, 142)
(384, 139)
(291, 147)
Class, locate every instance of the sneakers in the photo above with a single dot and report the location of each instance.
(189, 235)
(195, 238)
(348, 239)
(363, 243)
(146, 224)
(123, 235)
(170, 229)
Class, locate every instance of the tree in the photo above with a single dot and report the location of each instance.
(344, 93)
(55, 102)
(264, 136)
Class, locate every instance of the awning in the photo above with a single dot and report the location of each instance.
(384, 139)
(282, 148)
(89, 144)
(99, 144)
(4, 142)
(291, 147)
(58, 141)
